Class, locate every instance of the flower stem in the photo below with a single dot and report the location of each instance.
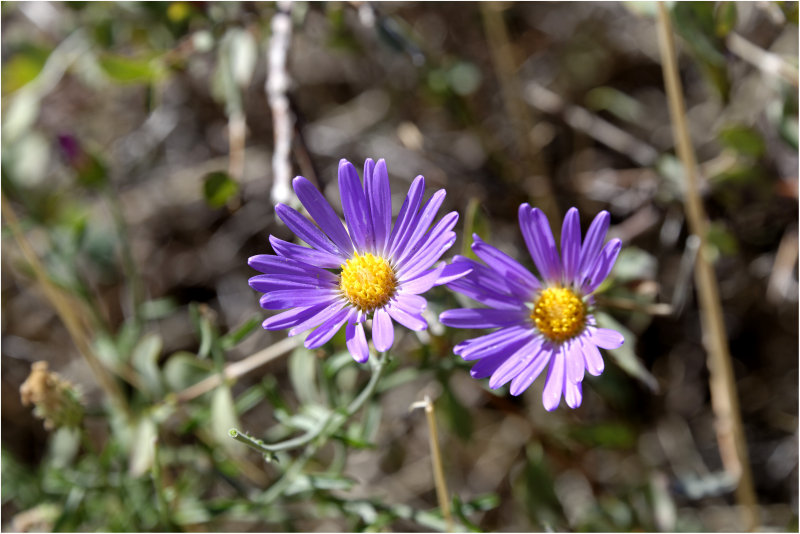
(722, 383)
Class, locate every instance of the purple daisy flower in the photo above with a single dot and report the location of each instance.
(366, 270)
(539, 321)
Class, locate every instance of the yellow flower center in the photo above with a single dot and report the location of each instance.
(367, 281)
(559, 313)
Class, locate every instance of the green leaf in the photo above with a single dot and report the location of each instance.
(190, 511)
(743, 139)
(695, 22)
(609, 435)
(92, 171)
(303, 375)
(538, 487)
(231, 339)
(722, 240)
(634, 264)
(218, 188)
(145, 361)
(251, 398)
(725, 18)
(614, 101)
(151, 310)
(325, 482)
(458, 417)
(23, 67)
(64, 446)
(127, 70)
(625, 356)
(184, 369)
(223, 418)
(142, 451)
(475, 222)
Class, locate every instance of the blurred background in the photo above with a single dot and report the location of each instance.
(137, 178)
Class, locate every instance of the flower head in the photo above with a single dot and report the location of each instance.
(55, 399)
(368, 269)
(539, 321)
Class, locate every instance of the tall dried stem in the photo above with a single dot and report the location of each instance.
(436, 458)
(722, 383)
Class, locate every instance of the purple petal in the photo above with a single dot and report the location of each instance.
(289, 298)
(411, 303)
(479, 347)
(486, 366)
(524, 353)
(504, 264)
(307, 255)
(382, 330)
(606, 338)
(484, 295)
(592, 356)
(356, 342)
(327, 330)
(483, 276)
(404, 312)
(408, 212)
(421, 283)
(452, 272)
(571, 245)
(276, 282)
(379, 198)
(354, 206)
(554, 385)
(595, 237)
(270, 264)
(573, 394)
(322, 213)
(418, 226)
(305, 230)
(482, 318)
(574, 361)
(291, 317)
(603, 264)
(326, 313)
(529, 374)
(428, 256)
(431, 240)
(539, 239)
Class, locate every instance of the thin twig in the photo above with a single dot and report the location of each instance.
(436, 459)
(767, 62)
(277, 85)
(66, 310)
(240, 368)
(722, 382)
(591, 124)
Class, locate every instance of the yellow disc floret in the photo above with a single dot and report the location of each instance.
(559, 313)
(367, 281)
